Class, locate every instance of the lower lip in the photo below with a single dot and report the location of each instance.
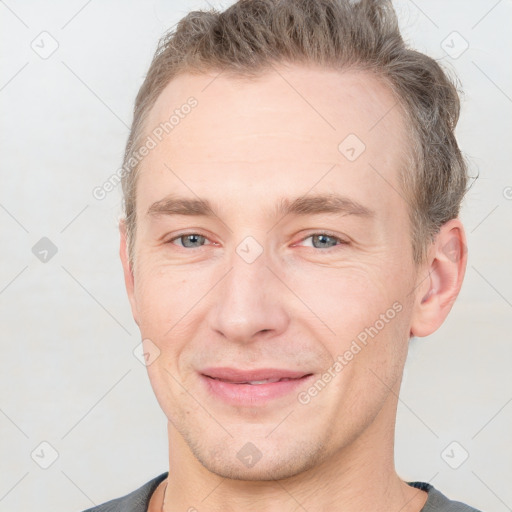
(253, 394)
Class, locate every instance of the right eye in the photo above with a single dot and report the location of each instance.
(189, 240)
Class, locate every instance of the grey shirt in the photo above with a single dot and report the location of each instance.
(138, 501)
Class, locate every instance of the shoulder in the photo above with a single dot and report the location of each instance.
(438, 502)
(136, 501)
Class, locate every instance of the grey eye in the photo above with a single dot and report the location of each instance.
(192, 240)
(323, 241)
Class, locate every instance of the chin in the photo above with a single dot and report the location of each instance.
(262, 473)
(251, 464)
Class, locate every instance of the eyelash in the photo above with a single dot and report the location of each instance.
(183, 235)
(320, 233)
(339, 240)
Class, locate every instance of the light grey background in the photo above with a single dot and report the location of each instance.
(68, 373)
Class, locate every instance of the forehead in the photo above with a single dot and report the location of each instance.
(290, 130)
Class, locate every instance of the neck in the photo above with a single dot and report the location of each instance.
(359, 476)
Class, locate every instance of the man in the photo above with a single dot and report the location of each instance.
(292, 192)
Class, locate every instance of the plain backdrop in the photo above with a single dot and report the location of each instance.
(70, 71)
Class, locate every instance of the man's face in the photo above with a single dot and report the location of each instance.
(256, 289)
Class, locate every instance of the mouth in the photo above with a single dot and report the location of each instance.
(251, 388)
(255, 382)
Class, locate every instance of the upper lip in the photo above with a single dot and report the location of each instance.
(235, 375)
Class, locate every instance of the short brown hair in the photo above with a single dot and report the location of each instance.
(251, 35)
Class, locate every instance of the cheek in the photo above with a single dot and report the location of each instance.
(372, 362)
(163, 296)
(171, 305)
(347, 298)
(362, 320)
(167, 388)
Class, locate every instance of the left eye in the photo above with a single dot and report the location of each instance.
(324, 241)
(190, 240)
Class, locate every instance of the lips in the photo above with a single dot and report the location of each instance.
(253, 382)
(253, 377)
(247, 389)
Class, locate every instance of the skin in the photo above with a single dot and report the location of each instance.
(299, 305)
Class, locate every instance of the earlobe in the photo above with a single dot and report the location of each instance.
(438, 289)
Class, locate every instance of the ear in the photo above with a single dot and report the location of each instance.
(440, 279)
(129, 279)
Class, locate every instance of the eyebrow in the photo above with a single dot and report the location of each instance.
(303, 205)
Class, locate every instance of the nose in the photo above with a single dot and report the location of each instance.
(250, 302)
